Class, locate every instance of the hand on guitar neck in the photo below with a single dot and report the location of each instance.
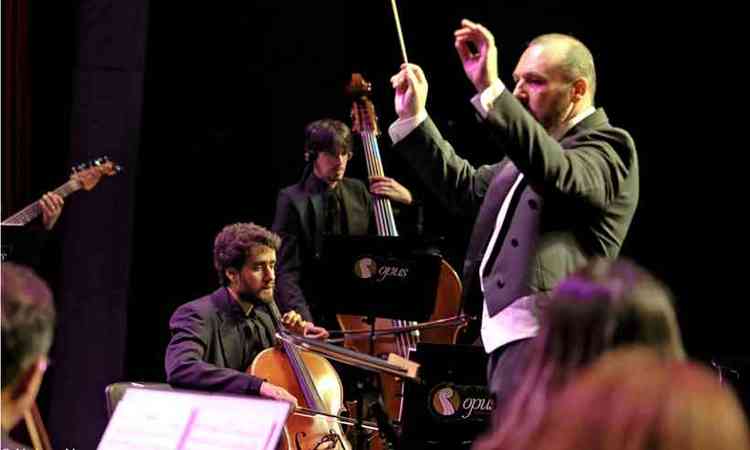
(85, 176)
(51, 204)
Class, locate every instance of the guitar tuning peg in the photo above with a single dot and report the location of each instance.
(98, 162)
(105, 158)
(82, 166)
(73, 170)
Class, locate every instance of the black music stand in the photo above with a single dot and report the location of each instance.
(452, 405)
(376, 276)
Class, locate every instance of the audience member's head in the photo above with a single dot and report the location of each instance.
(28, 317)
(605, 305)
(633, 399)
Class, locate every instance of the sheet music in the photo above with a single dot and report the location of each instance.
(153, 419)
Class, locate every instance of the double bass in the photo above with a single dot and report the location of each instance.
(448, 294)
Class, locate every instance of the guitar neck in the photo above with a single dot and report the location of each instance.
(384, 219)
(33, 210)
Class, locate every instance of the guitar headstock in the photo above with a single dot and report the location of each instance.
(363, 111)
(88, 174)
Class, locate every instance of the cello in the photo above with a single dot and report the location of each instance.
(448, 294)
(317, 386)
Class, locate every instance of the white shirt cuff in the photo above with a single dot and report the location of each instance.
(483, 102)
(402, 127)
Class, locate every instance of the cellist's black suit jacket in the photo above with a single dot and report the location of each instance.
(207, 351)
(576, 201)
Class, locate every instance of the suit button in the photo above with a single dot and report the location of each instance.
(514, 242)
(533, 204)
(500, 284)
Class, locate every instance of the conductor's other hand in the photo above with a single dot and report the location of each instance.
(476, 49)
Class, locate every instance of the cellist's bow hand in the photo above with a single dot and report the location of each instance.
(296, 324)
(277, 393)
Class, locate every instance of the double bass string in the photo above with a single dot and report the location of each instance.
(383, 212)
(384, 220)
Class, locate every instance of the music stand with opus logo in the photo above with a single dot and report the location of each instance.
(452, 405)
(377, 276)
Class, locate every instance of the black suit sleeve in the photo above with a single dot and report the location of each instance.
(185, 362)
(288, 224)
(593, 169)
(455, 181)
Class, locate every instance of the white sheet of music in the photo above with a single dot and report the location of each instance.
(155, 419)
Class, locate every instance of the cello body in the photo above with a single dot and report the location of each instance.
(301, 432)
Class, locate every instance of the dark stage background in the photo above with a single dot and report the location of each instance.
(204, 104)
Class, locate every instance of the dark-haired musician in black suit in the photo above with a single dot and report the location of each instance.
(323, 202)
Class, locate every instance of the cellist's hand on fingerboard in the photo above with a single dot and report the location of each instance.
(296, 324)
